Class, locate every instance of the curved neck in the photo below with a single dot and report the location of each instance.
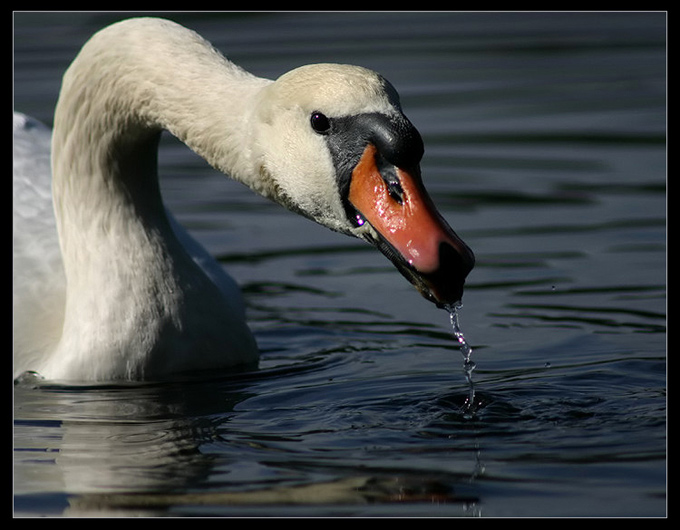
(134, 79)
(129, 82)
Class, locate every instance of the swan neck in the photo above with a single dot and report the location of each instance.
(130, 82)
(134, 79)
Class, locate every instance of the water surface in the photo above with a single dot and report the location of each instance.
(546, 151)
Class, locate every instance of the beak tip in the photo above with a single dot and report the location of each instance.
(444, 287)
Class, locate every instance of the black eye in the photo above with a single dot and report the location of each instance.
(320, 123)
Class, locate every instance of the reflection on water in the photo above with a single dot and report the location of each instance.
(545, 150)
(168, 443)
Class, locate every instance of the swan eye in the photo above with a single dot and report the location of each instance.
(320, 123)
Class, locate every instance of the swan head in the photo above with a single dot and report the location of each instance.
(333, 144)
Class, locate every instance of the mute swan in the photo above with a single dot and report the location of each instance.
(107, 286)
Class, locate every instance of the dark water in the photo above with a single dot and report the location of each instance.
(546, 151)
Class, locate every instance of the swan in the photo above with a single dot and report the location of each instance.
(108, 286)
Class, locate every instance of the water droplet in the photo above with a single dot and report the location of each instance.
(28, 378)
(465, 348)
(468, 364)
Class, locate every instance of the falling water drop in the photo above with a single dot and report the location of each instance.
(466, 350)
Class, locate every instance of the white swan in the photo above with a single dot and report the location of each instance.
(122, 292)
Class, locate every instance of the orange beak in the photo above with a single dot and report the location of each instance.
(412, 233)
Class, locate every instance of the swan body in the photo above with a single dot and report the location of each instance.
(107, 286)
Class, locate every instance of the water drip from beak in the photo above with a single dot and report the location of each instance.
(470, 406)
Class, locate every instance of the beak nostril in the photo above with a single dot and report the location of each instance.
(396, 191)
(388, 172)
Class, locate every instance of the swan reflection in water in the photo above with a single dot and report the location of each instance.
(140, 449)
